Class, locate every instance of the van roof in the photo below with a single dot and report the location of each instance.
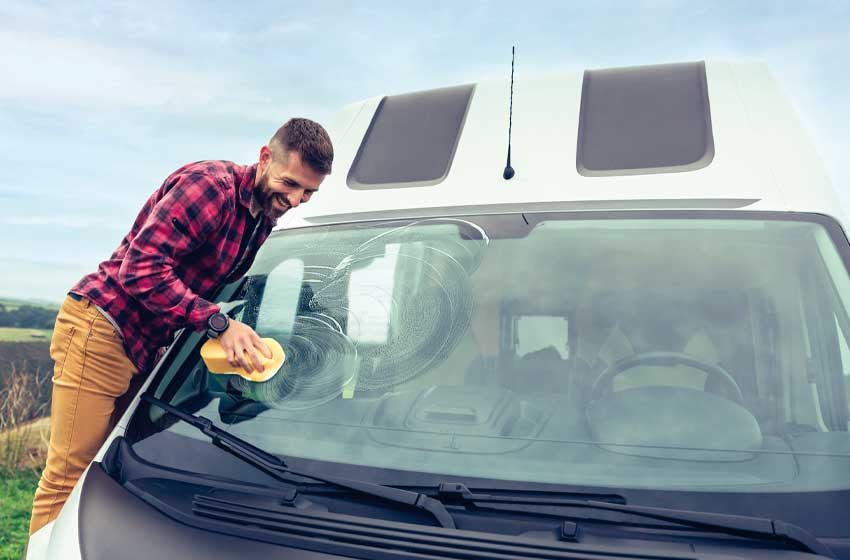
(629, 138)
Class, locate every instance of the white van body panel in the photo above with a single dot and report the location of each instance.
(762, 155)
(39, 542)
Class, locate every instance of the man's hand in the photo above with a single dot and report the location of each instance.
(238, 339)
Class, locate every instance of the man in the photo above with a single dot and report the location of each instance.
(199, 231)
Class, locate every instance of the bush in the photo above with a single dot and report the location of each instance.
(23, 450)
(21, 402)
(28, 317)
(34, 358)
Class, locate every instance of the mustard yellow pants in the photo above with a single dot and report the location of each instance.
(91, 371)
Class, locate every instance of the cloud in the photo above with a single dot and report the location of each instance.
(285, 30)
(62, 221)
(118, 94)
(66, 70)
(63, 71)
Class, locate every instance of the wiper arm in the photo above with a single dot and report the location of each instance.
(738, 525)
(276, 467)
(454, 493)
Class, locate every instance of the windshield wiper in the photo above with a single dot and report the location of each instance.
(458, 494)
(276, 467)
(737, 525)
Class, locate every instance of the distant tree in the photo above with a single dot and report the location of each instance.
(31, 317)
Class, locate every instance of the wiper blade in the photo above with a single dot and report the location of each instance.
(737, 525)
(276, 467)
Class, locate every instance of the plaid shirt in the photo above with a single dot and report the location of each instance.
(184, 245)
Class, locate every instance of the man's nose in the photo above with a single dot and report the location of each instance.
(294, 198)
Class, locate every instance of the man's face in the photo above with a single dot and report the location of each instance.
(284, 183)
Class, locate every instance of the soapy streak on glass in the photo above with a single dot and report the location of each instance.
(387, 339)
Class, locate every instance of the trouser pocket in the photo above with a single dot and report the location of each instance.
(60, 343)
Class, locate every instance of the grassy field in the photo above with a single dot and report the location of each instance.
(12, 334)
(15, 503)
(17, 488)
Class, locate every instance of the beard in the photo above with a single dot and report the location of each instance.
(265, 198)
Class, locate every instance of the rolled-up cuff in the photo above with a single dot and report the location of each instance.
(199, 312)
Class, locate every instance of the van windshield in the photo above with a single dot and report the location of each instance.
(670, 351)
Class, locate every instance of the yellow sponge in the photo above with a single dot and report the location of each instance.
(215, 358)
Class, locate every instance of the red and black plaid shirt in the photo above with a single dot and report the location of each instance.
(193, 235)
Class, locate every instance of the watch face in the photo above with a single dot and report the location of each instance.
(218, 321)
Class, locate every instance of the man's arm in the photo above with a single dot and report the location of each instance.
(179, 223)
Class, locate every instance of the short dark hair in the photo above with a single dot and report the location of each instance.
(309, 139)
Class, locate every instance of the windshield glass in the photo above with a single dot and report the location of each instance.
(624, 351)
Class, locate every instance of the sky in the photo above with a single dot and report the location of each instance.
(100, 101)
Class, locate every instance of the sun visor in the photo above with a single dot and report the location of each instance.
(642, 120)
(411, 140)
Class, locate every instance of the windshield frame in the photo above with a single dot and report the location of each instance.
(810, 505)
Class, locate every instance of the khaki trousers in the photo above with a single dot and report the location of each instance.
(91, 371)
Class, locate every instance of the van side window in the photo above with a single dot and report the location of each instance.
(537, 332)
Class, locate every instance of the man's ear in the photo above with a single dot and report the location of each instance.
(265, 157)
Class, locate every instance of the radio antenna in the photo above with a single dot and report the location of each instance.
(509, 171)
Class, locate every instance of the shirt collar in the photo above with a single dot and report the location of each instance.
(246, 186)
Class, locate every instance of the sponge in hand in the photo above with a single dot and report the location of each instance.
(215, 359)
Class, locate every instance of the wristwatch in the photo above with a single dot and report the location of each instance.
(217, 323)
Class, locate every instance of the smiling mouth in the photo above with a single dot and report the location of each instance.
(281, 201)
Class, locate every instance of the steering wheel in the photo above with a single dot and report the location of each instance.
(603, 382)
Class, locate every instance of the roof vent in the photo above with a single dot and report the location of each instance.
(642, 120)
(411, 140)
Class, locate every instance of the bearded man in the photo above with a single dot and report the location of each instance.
(199, 231)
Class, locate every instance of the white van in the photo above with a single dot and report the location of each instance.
(637, 347)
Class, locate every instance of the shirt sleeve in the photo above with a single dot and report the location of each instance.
(191, 210)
